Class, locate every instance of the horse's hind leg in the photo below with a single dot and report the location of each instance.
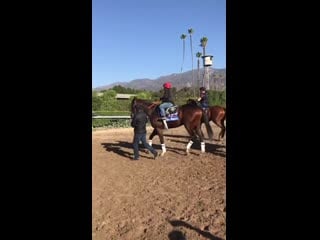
(222, 132)
(163, 146)
(223, 128)
(194, 133)
(201, 130)
(220, 124)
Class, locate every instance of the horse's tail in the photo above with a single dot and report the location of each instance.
(208, 127)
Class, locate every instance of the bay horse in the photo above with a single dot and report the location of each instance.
(189, 115)
(216, 114)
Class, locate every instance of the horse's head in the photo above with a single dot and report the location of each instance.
(133, 106)
(146, 105)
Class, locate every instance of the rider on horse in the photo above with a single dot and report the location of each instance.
(203, 99)
(167, 101)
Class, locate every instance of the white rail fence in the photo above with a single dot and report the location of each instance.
(111, 117)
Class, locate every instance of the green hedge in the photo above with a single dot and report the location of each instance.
(112, 113)
(111, 123)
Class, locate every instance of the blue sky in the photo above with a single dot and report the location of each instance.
(134, 39)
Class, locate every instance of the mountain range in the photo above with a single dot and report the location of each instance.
(217, 81)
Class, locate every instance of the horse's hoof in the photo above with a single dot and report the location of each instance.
(162, 154)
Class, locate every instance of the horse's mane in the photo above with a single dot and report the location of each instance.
(192, 102)
(146, 102)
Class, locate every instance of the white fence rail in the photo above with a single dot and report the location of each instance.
(111, 117)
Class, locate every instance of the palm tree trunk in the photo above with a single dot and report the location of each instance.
(183, 55)
(183, 37)
(206, 74)
(199, 73)
(190, 31)
(194, 91)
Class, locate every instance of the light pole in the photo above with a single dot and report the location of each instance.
(207, 62)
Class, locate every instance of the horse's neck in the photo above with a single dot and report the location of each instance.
(150, 110)
(149, 107)
(146, 108)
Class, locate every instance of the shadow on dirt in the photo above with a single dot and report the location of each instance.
(177, 234)
(187, 137)
(120, 145)
(118, 148)
(210, 147)
(176, 136)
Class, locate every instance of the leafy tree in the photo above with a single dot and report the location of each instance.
(145, 95)
(97, 103)
(156, 95)
(119, 89)
(217, 98)
(109, 100)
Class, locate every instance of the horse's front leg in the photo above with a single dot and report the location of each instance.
(160, 134)
(154, 132)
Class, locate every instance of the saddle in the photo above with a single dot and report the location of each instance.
(172, 113)
(171, 110)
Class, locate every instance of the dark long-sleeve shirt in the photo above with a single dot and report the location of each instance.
(139, 122)
(167, 96)
(204, 99)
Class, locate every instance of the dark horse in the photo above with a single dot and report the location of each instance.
(216, 114)
(189, 115)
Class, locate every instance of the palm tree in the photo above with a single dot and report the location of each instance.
(190, 31)
(198, 55)
(203, 44)
(183, 37)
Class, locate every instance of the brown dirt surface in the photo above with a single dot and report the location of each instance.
(174, 197)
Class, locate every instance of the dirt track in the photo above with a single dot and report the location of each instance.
(175, 197)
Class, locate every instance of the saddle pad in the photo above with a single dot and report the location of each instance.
(172, 117)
